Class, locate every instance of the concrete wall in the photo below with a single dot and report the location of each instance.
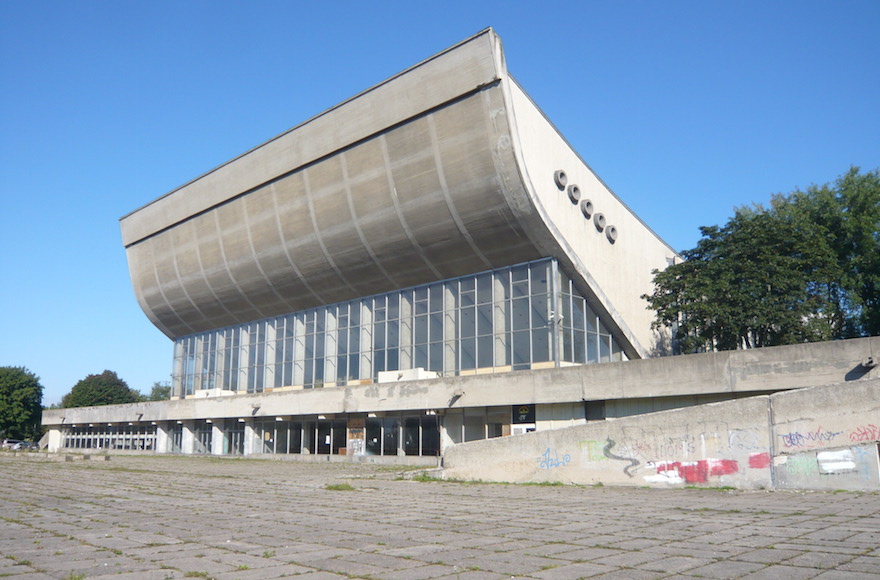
(614, 274)
(729, 374)
(817, 438)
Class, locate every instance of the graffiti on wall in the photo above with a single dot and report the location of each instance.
(551, 459)
(865, 433)
(830, 463)
(811, 439)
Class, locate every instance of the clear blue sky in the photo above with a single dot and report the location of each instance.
(685, 109)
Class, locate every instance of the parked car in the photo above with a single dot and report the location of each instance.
(11, 444)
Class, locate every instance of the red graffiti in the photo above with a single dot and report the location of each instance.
(699, 471)
(865, 433)
(759, 460)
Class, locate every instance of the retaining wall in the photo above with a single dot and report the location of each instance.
(817, 438)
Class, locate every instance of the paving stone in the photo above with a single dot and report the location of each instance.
(277, 519)
(726, 569)
(673, 564)
(777, 572)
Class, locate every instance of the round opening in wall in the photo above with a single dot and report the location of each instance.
(560, 178)
(574, 193)
(599, 220)
(611, 234)
(587, 208)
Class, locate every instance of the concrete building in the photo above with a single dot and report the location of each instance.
(410, 269)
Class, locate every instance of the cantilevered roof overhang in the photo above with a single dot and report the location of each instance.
(426, 176)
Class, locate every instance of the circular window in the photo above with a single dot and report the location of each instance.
(560, 178)
(587, 208)
(599, 220)
(611, 234)
(574, 193)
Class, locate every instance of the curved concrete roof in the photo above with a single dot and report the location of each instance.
(426, 176)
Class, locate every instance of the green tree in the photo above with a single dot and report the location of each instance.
(805, 269)
(21, 396)
(161, 391)
(104, 389)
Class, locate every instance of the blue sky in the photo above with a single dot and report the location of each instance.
(685, 109)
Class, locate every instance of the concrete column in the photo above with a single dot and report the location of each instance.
(188, 441)
(250, 438)
(217, 447)
(268, 369)
(450, 340)
(331, 335)
(163, 441)
(366, 337)
(406, 323)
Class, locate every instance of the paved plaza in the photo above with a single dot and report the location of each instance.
(186, 517)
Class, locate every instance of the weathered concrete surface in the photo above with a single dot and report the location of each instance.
(818, 438)
(172, 517)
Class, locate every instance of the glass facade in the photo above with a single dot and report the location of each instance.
(520, 317)
(136, 437)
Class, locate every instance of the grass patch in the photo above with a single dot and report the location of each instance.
(339, 487)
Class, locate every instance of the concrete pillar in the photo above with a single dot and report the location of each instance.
(250, 438)
(163, 441)
(188, 441)
(217, 447)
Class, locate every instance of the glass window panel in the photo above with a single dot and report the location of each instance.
(592, 348)
(468, 348)
(468, 322)
(484, 288)
(521, 348)
(540, 311)
(468, 298)
(436, 326)
(580, 347)
(353, 367)
(485, 353)
(354, 339)
(592, 320)
(567, 344)
(577, 313)
(520, 313)
(341, 369)
(421, 307)
(541, 345)
(421, 329)
(421, 355)
(604, 348)
(539, 275)
(394, 307)
(393, 362)
(393, 334)
(484, 319)
(430, 436)
(436, 352)
(437, 298)
(379, 336)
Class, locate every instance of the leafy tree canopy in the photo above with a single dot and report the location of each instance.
(161, 391)
(805, 269)
(104, 389)
(21, 396)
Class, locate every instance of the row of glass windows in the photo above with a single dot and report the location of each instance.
(507, 319)
(397, 434)
(111, 437)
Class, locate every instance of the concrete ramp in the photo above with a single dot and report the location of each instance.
(818, 438)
